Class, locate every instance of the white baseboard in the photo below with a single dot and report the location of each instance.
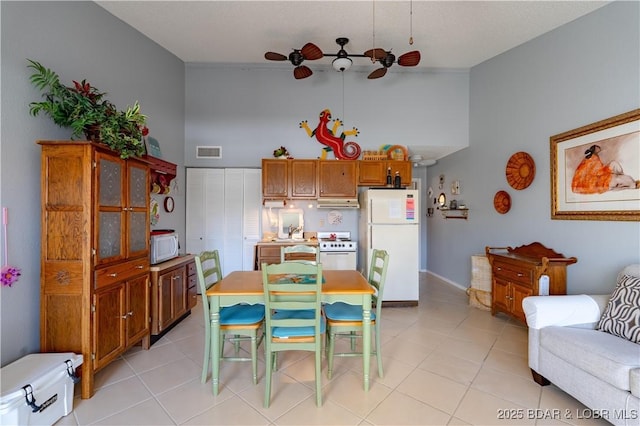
(448, 281)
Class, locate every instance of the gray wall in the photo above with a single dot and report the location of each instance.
(583, 72)
(252, 111)
(77, 40)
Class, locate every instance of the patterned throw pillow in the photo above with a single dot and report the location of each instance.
(621, 317)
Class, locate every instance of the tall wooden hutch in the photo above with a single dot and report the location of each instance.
(94, 282)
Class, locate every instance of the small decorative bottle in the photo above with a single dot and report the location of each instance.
(389, 181)
(397, 181)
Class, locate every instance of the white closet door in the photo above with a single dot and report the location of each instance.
(214, 209)
(224, 211)
(233, 211)
(195, 226)
(204, 212)
(252, 216)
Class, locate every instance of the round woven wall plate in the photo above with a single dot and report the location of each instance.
(502, 202)
(521, 169)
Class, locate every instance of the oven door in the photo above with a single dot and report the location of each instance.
(343, 260)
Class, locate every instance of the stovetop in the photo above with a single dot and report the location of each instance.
(336, 241)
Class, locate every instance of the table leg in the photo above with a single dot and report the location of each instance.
(215, 342)
(366, 338)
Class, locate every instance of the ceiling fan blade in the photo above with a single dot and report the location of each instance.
(301, 72)
(311, 52)
(409, 59)
(377, 54)
(273, 56)
(380, 72)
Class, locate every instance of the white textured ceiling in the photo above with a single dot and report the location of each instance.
(449, 34)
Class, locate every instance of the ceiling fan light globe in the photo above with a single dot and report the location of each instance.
(342, 64)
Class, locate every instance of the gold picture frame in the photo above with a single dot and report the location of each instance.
(595, 170)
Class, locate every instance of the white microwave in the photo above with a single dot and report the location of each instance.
(164, 245)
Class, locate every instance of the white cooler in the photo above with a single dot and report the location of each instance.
(37, 389)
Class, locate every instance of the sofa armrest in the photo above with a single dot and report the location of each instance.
(545, 311)
(634, 382)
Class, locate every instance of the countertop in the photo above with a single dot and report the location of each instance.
(276, 242)
(177, 261)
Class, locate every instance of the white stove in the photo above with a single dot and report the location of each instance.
(337, 251)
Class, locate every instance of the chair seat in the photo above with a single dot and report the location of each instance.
(283, 332)
(241, 314)
(341, 311)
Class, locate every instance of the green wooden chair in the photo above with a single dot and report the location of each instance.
(345, 320)
(237, 322)
(293, 316)
(299, 252)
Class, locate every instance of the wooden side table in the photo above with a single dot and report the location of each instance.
(516, 274)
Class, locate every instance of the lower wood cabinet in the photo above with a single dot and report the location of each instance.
(121, 318)
(516, 273)
(269, 253)
(173, 292)
(192, 285)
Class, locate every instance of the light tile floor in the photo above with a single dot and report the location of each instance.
(444, 362)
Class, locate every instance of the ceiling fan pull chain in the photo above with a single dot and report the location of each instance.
(373, 59)
(411, 23)
(343, 114)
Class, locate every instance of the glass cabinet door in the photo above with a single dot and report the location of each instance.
(110, 200)
(138, 211)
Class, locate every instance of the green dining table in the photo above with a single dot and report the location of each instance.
(246, 287)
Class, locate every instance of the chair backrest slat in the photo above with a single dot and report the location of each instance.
(378, 275)
(209, 272)
(284, 291)
(299, 252)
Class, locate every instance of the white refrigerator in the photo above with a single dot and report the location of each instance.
(389, 220)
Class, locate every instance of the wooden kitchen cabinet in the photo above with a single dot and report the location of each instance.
(192, 285)
(122, 318)
(173, 293)
(516, 274)
(94, 253)
(303, 179)
(275, 178)
(270, 252)
(374, 172)
(337, 179)
(289, 179)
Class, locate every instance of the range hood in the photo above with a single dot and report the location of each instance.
(338, 203)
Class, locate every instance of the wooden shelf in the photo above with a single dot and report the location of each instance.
(159, 167)
(448, 213)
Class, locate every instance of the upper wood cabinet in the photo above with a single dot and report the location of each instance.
(374, 173)
(122, 211)
(295, 179)
(303, 178)
(275, 178)
(337, 179)
(313, 179)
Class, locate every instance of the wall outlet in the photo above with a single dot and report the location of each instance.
(321, 222)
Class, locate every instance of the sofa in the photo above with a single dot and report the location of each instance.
(569, 348)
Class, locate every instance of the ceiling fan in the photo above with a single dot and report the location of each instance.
(419, 161)
(343, 61)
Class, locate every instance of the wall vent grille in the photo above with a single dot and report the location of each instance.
(209, 152)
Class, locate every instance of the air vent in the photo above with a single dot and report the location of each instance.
(209, 152)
